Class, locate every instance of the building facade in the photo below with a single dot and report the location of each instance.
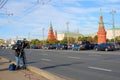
(61, 36)
(110, 32)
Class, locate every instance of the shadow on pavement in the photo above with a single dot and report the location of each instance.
(60, 65)
(4, 69)
(31, 62)
(1, 63)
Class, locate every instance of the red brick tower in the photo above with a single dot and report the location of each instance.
(51, 35)
(101, 31)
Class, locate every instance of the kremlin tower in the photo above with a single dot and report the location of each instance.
(101, 31)
(51, 35)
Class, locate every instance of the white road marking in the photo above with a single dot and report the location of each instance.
(46, 59)
(102, 69)
(94, 55)
(73, 57)
(44, 54)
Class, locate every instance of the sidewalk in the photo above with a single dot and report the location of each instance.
(5, 74)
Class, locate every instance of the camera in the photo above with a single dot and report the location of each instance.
(21, 44)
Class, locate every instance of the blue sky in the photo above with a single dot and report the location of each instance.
(31, 16)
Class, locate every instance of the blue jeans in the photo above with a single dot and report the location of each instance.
(18, 61)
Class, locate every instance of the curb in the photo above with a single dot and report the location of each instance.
(38, 71)
(43, 73)
(5, 59)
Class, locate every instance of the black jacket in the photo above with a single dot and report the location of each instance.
(19, 49)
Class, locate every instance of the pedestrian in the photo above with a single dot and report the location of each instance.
(20, 53)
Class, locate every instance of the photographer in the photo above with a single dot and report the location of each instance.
(20, 53)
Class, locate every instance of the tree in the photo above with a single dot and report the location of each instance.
(52, 41)
(35, 42)
(64, 40)
(95, 39)
(80, 38)
(117, 39)
(71, 40)
(90, 39)
(2, 42)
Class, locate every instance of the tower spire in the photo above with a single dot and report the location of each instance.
(51, 33)
(101, 23)
(101, 30)
(51, 26)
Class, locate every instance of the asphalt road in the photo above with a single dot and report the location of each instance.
(74, 65)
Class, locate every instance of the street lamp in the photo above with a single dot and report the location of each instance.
(43, 35)
(113, 24)
(67, 23)
(29, 36)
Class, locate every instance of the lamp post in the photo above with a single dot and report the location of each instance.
(43, 35)
(113, 24)
(67, 23)
(29, 36)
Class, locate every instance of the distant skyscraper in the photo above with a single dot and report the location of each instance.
(51, 35)
(101, 31)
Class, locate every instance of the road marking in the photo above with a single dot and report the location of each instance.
(62, 53)
(94, 55)
(73, 57)
(44, 54)
(46, 59)
(102, 69)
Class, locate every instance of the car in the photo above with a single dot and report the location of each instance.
(76, 47)
(50, 46)
(13, 46)
(85, 45)
(92, 45)
(117, 46)
(35, 47)
(69, 46)
(104, 47)
(62, 46)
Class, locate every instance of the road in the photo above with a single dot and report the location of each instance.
(74, 65)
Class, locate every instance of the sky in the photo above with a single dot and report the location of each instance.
(27, 18)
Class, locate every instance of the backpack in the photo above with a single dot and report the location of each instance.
(12, 67)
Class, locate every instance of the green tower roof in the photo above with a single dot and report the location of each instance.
(101, 23)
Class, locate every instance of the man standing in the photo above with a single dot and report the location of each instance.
(20, 53)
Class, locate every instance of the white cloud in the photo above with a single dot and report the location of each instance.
(32, 16)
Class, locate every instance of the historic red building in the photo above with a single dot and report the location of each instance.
(101, 31)
(51, 35)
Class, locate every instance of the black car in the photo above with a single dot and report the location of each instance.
(62, 46)
(85, 45)
(50, 46)
(104, 47)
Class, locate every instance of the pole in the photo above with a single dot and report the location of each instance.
(29, 36)
(43, 35)
(113, 24)
(67, 32)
